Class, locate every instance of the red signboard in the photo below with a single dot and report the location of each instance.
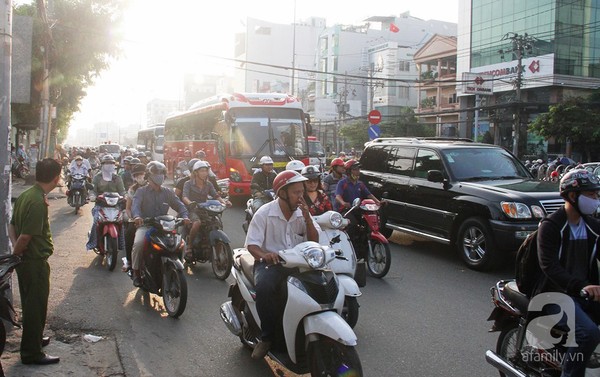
(374, 117)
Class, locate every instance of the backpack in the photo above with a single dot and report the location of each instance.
(528, 271)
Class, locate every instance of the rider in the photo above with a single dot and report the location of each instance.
(78, 167)
(262, 180)
(197, 189)
(126, 172)
(151, 200)
(277, 225)
(335, 175)
(317, 201)
(186, 177)
(138, 172)
(567, 252)
(105, 181)
(183, 164)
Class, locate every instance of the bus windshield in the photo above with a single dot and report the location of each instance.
(251, 134)
(315, 149)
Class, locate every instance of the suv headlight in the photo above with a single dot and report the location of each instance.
(538, 212)
(516, 210)
(315, 257)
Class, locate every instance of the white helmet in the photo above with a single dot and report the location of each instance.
(295, 165)
(266, 160)
(200, 165)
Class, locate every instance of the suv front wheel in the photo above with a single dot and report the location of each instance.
(475, 244)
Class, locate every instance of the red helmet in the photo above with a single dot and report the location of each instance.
(337, 162)
(350, 164)
(285, 178)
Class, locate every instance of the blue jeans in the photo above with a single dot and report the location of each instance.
(268, 282)
(587, 336)
(93, 240)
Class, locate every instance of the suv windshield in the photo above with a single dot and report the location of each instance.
(109, 148)
(480, 164)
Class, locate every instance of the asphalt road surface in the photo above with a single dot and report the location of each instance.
(427, 317)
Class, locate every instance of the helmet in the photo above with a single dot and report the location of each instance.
(337, 162)
(140, 155)
(135, 160)
(127, 159)
(578, 180)
(201, 154)
(311, 172)
(285, 178)
(351, 164)
(539, 161)
(266, 160)
(148, 154)
(156, 168)
(296, 165)
(191, 163)
(107, 159)
(200, 165)
(138, 169)
(187, 153)
(78, 158)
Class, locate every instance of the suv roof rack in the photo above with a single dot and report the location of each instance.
(418, 139)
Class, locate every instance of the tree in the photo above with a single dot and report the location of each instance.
(84, 40)
(574, 120)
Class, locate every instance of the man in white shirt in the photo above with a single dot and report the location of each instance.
(280, 224)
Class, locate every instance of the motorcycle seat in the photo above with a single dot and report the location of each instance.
(247, 262)
(518, 299)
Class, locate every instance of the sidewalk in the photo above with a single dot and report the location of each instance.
(19, 185)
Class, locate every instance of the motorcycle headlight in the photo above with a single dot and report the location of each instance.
(516, 210)
(369, 207)
(111, 201)
(168, 225)
(315, 257)
(216, 208)
(336, 220)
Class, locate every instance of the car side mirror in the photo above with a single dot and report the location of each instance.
(435, 176)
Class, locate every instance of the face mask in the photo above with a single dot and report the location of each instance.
(158, 179)
(108, 169)
(79, 163)
(587, 206)
(140, 179)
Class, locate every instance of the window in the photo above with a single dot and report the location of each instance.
(374, 159)
(401, 161)
(427, 160)
(404, 66)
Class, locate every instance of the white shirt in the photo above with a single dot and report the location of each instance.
(270, 231)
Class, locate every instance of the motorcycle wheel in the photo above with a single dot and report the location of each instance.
(111, 250)
(326, 357)
(379, 259)
(506, 347)
(174, 291)
(222, 260)
(350, 310)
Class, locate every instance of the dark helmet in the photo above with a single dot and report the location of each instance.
(311, 172)
(138, 169)
(127, 160)
(156, 168)
(107, 159)
(578, 180)
(191, 163)
(135, 160)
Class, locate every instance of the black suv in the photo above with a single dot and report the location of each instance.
(476, 196)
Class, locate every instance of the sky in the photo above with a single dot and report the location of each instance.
(164, 39)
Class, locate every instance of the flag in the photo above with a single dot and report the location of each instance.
(394, 28)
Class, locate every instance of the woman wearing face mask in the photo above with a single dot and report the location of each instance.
(317, 201)
(138, 172)
(105, 181)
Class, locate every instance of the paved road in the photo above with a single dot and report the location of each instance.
(427, 317)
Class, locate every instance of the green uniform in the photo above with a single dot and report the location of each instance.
(30, 216)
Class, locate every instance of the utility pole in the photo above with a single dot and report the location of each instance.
(5, 98)
(520, 45)
(45, 125)
(293, 51)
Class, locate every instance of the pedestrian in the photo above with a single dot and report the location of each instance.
(29, 232)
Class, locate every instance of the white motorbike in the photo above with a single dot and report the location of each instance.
(345, 267)
(315, 338)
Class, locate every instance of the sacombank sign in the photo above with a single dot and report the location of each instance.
(533, 70)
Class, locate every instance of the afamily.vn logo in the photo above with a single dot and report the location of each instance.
(539, 332)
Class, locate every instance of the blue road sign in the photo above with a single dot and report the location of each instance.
(374, 131)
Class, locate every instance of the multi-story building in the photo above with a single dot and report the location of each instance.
(437, 101)
(558, 46)
(157, 110)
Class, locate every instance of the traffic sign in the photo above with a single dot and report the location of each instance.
(374, 132)
(374, 117)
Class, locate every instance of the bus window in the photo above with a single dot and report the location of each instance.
(288, 134)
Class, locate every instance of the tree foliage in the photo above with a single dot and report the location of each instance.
(84, 41)
(574, 119)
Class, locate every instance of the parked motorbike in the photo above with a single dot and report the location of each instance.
(77, 193)
(19, 168)
(345, 266)
(161, 270)
(515, 356)
(313, 337)
(268, 196)
(110, 226)
(7, 312)
(370, 244)
(211, 244)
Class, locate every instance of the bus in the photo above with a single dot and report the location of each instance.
(152, 139)
(235, 130)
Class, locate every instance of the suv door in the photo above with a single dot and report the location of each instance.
(429, 203)
(373, 168)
